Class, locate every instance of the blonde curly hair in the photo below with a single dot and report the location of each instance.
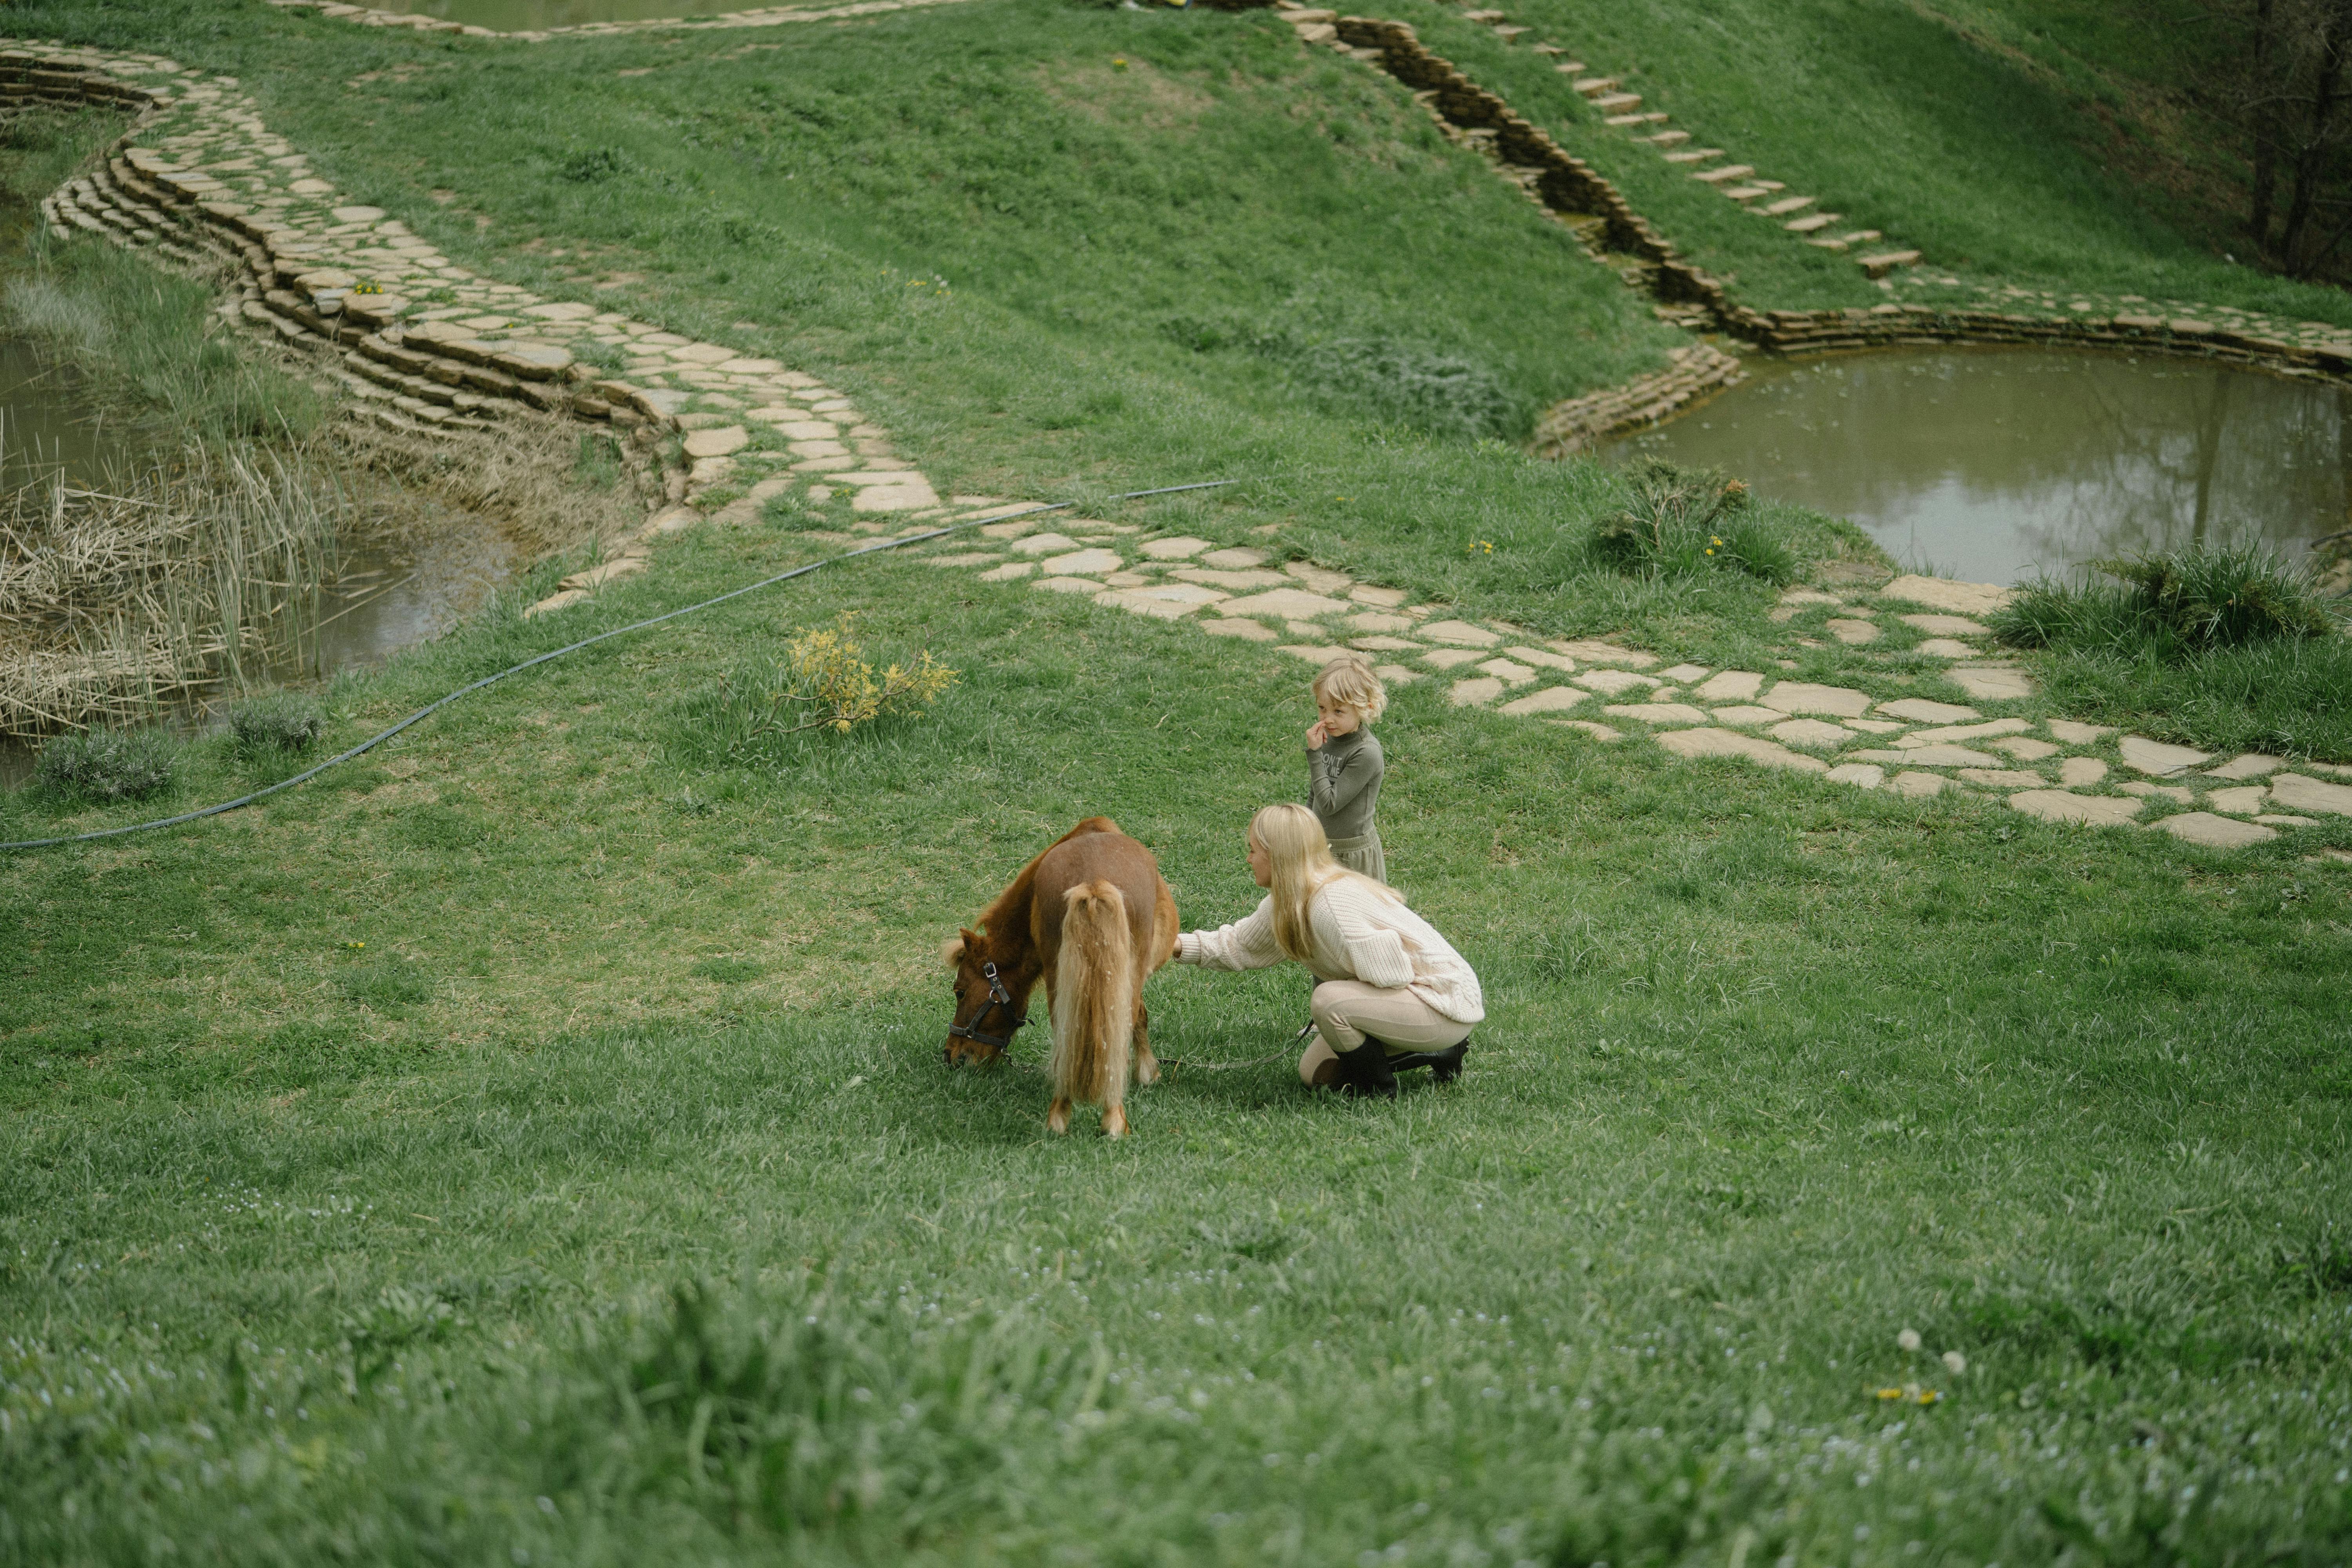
(1348, 681)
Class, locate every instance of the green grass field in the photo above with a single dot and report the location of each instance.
(528, 1144)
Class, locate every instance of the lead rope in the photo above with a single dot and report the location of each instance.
(432, 708)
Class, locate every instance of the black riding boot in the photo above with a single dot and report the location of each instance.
(1445, 1066)
(1364, 1071)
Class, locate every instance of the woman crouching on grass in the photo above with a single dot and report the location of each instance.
(1391, 993)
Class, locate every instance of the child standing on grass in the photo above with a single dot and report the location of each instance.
(1344, 762)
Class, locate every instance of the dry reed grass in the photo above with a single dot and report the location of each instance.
(176, 575)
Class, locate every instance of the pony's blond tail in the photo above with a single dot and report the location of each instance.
(1094, 997)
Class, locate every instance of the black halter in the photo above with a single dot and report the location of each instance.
(997, 997)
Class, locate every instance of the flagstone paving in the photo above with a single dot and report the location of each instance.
(423, 343)
(765, 16)
(2057, 769)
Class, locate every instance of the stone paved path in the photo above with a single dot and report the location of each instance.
(1934, 299)
(1798, 215)
(765, 16)
(426, 343)
(438, 345)
(1602, 692)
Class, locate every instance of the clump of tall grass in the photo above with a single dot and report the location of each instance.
(2228, 647)
(1685, 521)
(107, 766)
(276, 723)
(152, 342)
(2171, 606)
(114, 601)
(812, 1414)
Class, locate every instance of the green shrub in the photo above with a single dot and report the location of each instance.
(1403, 383)
(1383, 378)
(2171, 606)
(1688, 521)
(280, 723)
(109, 765)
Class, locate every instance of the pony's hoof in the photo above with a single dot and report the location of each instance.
(1148, 1073)
(1058, 1119)
(1114, 1123)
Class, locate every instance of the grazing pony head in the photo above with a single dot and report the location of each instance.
(986, 1011)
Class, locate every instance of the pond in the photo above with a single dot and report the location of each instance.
(1994, 464)
(531, 16)
(388, 593)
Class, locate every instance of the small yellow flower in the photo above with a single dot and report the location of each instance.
(1118, 63)
(1890, 1394)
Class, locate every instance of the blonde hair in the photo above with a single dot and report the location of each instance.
(1298, 857)
(1349, 682)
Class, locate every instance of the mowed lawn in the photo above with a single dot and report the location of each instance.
(359, 1140)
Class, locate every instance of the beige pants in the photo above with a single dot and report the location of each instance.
(1348, 1010)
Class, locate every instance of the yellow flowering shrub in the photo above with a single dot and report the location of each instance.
(824, 682)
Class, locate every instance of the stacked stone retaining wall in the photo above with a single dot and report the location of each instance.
(416, 377)
(1576, 193)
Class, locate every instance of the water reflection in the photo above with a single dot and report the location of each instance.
(1990, 463)
(46, 424)
(391, 594)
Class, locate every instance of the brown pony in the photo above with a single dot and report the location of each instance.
(1092, 917)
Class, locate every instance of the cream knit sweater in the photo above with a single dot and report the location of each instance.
(1359, 934)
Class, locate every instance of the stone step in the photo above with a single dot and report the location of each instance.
(1816, 222)
(1668, 138)
(1593, 84)
(1482, 16)
(1745, 193)
(1728, 172)
(1695, 155)
(1656, 119)
(1787, 204)
(1618, 102)
(1506, 33)
(1879, 265)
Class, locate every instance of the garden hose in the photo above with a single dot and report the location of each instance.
(432, 708)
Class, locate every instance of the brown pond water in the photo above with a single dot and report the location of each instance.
(1994, 464)
(388, 593)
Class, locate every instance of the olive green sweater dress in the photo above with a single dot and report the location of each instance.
(1344, 788)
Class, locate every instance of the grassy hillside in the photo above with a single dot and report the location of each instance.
(359, 1138)
(1931, 127)
(528, 1144)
